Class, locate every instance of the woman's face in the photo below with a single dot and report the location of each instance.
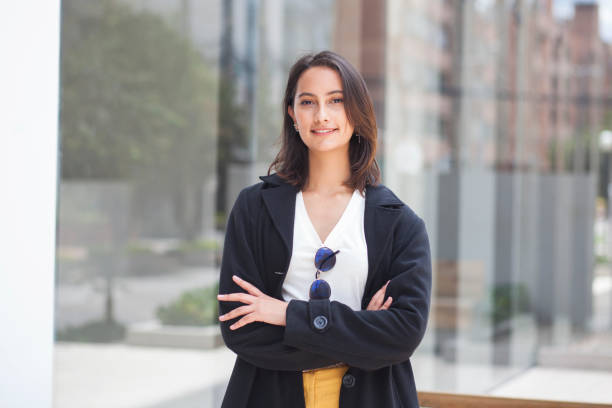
(318, 110)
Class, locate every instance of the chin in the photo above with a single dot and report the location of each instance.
(326, 148)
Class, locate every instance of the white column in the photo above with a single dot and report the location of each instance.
(29, 81)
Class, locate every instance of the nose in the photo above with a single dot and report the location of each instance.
(321, 115)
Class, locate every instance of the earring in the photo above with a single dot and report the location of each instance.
(296, 128)
(358, 138)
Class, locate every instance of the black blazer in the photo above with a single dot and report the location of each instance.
(376, 345)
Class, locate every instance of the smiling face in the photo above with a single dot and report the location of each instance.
(318, 111)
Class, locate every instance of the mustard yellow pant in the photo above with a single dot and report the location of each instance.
(322, 387)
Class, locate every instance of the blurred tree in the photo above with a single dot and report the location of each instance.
(137, 100)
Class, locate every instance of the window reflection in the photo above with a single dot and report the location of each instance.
(489, 113)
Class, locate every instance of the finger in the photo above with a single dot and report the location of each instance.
(252, 289)
(379, 296)
(236, 297)
(387, 303)
(381, 292)
(375, 301)
(239, 311)
(250, 318)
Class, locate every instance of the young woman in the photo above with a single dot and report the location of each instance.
(326, 275)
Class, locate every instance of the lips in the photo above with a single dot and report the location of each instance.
(325, 131)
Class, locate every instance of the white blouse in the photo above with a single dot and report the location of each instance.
(348, 276)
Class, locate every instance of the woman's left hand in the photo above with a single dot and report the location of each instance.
(259, 306)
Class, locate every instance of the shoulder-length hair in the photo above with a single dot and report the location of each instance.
(291, 162)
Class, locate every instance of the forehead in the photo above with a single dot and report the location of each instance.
(319, 81)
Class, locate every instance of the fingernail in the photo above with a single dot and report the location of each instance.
(236, 277)
(220, 296)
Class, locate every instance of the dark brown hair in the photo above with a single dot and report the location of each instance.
(291, 162)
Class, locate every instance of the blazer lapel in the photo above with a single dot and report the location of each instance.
(279, 199)
(382, 210)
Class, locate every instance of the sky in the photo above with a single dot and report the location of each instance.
(565, 9)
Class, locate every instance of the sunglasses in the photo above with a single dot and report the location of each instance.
(325, 259)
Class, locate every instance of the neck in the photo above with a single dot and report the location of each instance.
(327, 172)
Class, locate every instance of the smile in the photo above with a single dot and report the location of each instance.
(323, 131)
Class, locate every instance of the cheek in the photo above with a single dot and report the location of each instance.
(348, 128)
(343, 119)
(302, 115)
(348, 131)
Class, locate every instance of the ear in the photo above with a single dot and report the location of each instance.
(291, 112)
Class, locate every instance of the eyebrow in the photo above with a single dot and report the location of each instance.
(311, 94)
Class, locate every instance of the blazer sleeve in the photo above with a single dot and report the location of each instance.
(372, 339)
(258, 343)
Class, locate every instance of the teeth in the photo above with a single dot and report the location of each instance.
(323, 131)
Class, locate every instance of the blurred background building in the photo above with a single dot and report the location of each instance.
(492, 119)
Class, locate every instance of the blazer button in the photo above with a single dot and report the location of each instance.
(320, 322)
(348, 380)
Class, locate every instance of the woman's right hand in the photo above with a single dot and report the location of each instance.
(378, 301)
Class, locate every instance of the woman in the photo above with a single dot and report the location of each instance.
(326, 275)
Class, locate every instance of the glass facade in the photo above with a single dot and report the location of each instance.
(492, 118)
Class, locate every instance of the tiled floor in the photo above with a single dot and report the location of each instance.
(119, 376)
(559, 384)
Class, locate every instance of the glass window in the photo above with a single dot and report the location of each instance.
(493, 120)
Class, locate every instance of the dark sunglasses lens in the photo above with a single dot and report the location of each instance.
(325, 259)
(320, 289)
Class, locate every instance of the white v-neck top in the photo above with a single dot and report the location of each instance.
(348, 276)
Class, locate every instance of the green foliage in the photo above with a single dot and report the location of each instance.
(509, 300)
(195, 245)
(607, 121)
(97, 331)
(199, 245)
(502, 303)
(136, 96)
(138, 248)
(198, 307)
